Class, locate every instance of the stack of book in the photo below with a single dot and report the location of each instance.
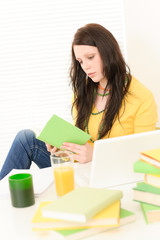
(84, 211)
(148, 192)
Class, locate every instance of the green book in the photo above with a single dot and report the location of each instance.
(57, 131)
(147, 194)
(151, 212)
(126, 215)
(75, 234)
(81, 204)
(142, 186)
(142, 167)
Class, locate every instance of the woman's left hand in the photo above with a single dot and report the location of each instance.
(82, 153)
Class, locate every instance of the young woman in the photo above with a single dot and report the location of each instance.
(107, 101)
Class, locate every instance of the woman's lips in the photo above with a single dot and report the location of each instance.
(91, 74)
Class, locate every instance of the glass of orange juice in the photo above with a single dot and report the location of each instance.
(63, 171)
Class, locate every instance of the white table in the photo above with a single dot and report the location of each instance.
(15, 223)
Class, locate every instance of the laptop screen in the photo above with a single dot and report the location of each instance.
(113, 158)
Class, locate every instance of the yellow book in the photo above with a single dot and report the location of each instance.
(107, 217)
(152, 157)
(126, 217)
(152, 179)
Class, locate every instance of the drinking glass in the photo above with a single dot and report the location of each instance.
(63, 171)
(21, 190)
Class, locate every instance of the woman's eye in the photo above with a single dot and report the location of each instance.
(90, 57)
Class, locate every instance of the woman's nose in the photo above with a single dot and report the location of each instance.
(86, 66)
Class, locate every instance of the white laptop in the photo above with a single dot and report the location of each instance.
(113, 160)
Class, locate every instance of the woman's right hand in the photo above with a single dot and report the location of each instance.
(51, 148)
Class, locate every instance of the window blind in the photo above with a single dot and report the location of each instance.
(35, 54)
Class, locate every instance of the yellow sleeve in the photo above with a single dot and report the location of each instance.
(146, 115)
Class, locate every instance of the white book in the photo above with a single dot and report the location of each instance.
(150, 160)
(152, 179)
(151, 156)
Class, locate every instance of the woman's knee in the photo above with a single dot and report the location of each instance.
(25, 135)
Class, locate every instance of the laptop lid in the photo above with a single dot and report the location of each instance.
(113, 158)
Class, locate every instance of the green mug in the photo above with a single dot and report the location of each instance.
(21, 190)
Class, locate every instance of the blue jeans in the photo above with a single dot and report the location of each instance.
(25, 149)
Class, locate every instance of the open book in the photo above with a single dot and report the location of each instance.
(57, 131)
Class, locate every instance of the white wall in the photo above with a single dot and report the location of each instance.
(142, 19)
(35, 51)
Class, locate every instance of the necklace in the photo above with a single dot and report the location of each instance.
(102, 95)
(100, 87)
(101, 125)
(97, 112)
(100, 128)
(98, 134)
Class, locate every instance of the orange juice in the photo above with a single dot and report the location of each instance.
(64, 179)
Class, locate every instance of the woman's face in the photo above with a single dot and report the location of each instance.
(91, 62)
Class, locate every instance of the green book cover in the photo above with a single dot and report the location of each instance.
(125, 213)
(142, 186)
(149, 210)
(57, 131)
(144, 211)
(81, 204)
(126, 216)
(67, 232)
(142, 167)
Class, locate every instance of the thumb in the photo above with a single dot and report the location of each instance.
(54, 150)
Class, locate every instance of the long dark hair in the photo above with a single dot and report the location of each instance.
(115, 70)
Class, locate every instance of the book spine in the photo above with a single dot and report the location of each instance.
(110, 201)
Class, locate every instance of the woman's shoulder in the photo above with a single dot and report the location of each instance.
(139, 89)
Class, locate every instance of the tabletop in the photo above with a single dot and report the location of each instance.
(15, 223)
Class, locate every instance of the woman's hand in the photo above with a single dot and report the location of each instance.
(51, 148)
(82, 153)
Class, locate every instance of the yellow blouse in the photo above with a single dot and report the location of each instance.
(137, 114)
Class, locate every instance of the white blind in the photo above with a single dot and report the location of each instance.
(35, 52)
